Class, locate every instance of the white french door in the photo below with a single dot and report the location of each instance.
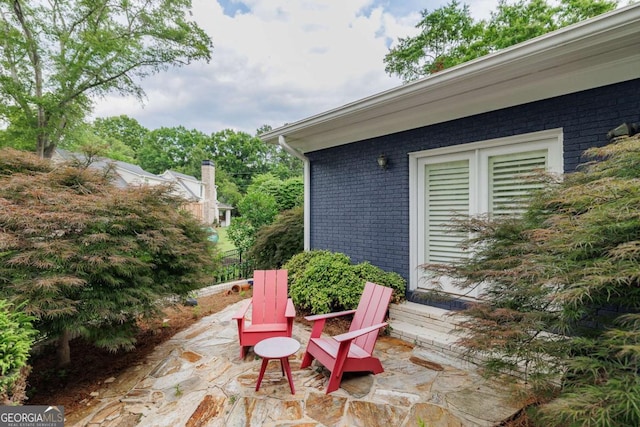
(491, 178)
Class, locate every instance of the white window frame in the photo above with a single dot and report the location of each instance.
(478, 154)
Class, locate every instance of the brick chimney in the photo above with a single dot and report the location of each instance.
(210, 193)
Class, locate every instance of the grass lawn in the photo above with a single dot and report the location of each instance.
(224, 243)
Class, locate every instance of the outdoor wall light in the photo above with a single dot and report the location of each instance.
(382, 161)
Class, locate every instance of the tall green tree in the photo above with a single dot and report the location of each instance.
(240, 155)
(282, 164)
(268, 196)
(56, 55)
(84, 139)
(90, 259)
(123, 128)
(176, 148)
(449, 35)
(287, 194)
(256, 209)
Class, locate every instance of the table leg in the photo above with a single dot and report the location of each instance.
(265, 361)
(285, 365)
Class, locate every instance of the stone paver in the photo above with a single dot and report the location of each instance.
(197, 380)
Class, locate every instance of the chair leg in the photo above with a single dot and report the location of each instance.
(376, 367)
(338, 367)
(334, 381)
(243, 352)
(306, 360)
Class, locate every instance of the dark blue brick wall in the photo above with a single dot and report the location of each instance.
(363, 211)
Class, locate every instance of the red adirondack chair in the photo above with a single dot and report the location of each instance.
(272, 312)
(351, 351)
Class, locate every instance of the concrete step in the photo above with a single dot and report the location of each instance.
(434, 318)
(431, 329)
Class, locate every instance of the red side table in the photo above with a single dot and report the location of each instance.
(276, 348)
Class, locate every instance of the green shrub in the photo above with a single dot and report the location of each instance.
(16, 337)
(322, 281)
(370, 273)
(326, 284)
(291, 193)
(276, 243)
(299, 262)
(89, 258)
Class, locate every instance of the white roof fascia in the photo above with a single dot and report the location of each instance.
(592, 53)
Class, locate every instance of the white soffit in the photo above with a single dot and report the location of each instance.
(593, 53)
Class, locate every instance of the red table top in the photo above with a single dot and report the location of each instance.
(276, 347)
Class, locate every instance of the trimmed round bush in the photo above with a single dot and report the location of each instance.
(326, 284)
(323, 281)
(299, 262)
(370, 273)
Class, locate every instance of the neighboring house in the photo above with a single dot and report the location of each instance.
(201, 197)
(459, 142)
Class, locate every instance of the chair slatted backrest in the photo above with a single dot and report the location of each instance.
(269, 296)
(371, 310)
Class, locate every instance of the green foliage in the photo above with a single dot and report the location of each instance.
(266, 196)
(326, 284)
(16, 337)
(122, 128)
(370, 273)
(445, 35)
(84, 140)
(227, 189)
(291, 193)
(322, 281)
(240, 155)
(174, 148)
(89, 258)
(449, 35)
(559, 282)
(240, 159)
(297, 265)
(258, 208)
(56, 55)
(242, 234)
(277, 242)
(20, 132)
(287, 194)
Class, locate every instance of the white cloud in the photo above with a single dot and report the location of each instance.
(275, 61)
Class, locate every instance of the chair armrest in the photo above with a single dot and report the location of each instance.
(328, 315)
(243, 310)
(290, 311)
(348, 336)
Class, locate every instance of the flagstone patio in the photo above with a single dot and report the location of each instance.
(197, 379)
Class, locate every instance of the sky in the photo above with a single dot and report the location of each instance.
(278, 61)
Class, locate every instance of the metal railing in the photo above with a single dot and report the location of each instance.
(233, 267)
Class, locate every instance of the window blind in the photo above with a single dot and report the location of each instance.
(446, 196)
(510, 180)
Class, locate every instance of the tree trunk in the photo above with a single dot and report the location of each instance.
(48, 151)
(63, 351)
